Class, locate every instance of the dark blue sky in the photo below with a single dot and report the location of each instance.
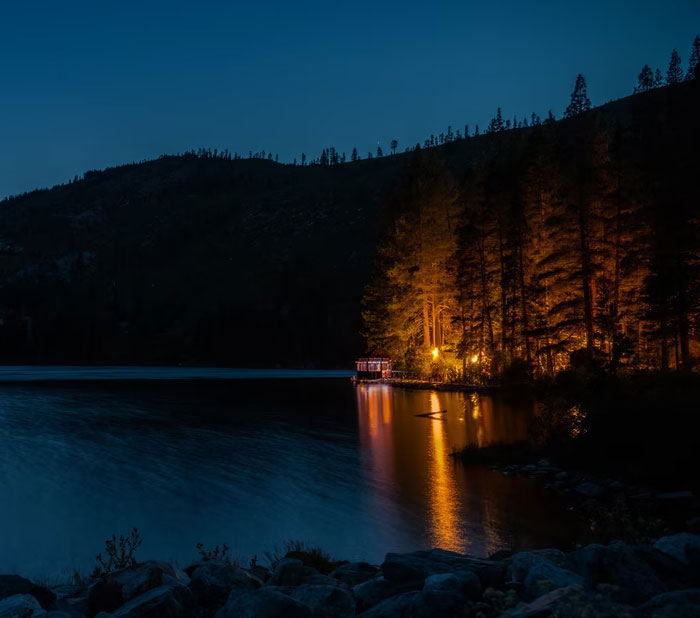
(86, 85)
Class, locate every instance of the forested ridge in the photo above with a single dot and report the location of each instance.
(473, 247)
(576, 238)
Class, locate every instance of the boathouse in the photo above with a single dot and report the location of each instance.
(373, 368)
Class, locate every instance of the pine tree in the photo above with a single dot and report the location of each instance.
(353, 156)
(496, 124)
(658, 79)
(394, 146)
(379, 151)
(579, 99)
(674, 75)
(324, 157)
(645, 79)
(694, 61)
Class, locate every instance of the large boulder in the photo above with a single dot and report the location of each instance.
(683, 546)
(539, 575)
(21, 606)
(621, 565)
(167, 601)
(11, 585)
(421, 604)
(416, 566)
(71, 599)
(462, 583)
(113, 590)
(374, 591)
(326, 601)
(355, 573)
(288, 572)
(569, 602)
(677, 604)
(212, 583)
(263, 603)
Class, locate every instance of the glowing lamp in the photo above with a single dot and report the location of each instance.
(475, 358)
(435, 352)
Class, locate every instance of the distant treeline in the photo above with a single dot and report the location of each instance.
(646, 80)
(576, 238)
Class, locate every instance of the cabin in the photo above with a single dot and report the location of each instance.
(373, 368)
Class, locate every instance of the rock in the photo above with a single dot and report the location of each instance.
(71, 599)
(561, 476)
(421, 604)
(288, 572)
(212, 582)
(463, 583)
(544, 463)
(621, 565)
(539, 575)
(11, 585)
(321, 580)
(112, 591)
(680, 546)
(590, 489)
(21, 606)
(326, 601)
(263, 603)
(168, 601)
(670, 496)
(61, 614)
(569, 602)
(355, 573)
(376, 590)
(677, 604)
(261, 572)
(415, 567)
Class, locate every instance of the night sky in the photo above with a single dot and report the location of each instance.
(86, 85)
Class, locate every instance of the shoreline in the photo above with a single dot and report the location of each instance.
(652, 579)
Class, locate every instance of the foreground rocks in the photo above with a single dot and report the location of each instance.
(658, 580)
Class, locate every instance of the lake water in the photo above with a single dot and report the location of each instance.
(252, 460)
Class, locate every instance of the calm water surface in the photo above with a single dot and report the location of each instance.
(251, 461)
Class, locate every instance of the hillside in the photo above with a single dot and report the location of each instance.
(211, 261)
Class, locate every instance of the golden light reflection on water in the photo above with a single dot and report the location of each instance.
(444, 503)
(409, 467)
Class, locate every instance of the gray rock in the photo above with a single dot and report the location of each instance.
(112, 591)
(168, 601)
(570, 602)
(212, 582)
(355, 573)
(376, 590)
(61, 614)
(21, 606)
(71, 599)
(677, 604)
(680, 546)
(326, 601)
(539, 575)
(415, 567)
(11, 585)
(590, 489)
(621, 565)
(321, 580)
(675, 495)
(544, 463)
(288, 572)
(263, 603)
(421, 604)
(463, 583)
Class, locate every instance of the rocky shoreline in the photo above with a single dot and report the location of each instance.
(653, 580)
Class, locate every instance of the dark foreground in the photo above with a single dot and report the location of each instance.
(655, 580)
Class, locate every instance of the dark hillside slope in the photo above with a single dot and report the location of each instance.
(201, 260)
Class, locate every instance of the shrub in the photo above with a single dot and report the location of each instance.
(120, 554)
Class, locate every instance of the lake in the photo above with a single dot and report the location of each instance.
(251, 459)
